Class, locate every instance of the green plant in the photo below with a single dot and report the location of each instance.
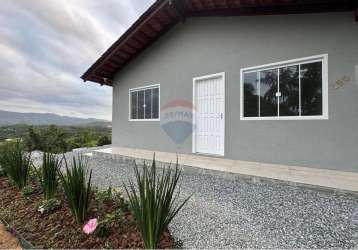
(77, 187)
(50, 139)
(122, 203)
(2, 172)
(103, 230)
(106, 195)
(48, 175)
(104, 140)
(154, 203)
(33, 139)
(27, 191)
(104, 226)
(16, 162)
(47, 206)
(112, 195)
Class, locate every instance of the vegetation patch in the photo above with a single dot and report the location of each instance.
(55, 227)
(155, 203)
(50, 208)
(57, 139)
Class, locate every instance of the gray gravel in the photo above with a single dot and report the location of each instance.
(231, 213)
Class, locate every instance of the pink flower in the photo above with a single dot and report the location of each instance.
(90, 227)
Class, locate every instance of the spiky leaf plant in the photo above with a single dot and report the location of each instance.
(49, 175)
(154, 200)
(16, 163)
(76, 182)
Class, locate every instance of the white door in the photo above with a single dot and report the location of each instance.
(209, 114)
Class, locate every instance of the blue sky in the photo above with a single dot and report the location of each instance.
(46, 45)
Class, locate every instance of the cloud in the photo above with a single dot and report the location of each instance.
(46, 45)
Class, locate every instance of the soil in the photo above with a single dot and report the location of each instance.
(59, 230)
(7, 240)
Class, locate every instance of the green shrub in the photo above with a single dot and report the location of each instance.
(104, 140)
(77, 187)
(104, 226)
(27, 191)
(3, 158)
(154, 202)
(122, 203)
(2, 172)
(106, 195)
(33, 139)
(16, 162)
(49, 138)
(48, 175)
(103, 229)
(112, 195)
(48, 206)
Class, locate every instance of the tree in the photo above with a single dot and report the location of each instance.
(51, 139)
(33, 139)
(54, 140)
(104, 140)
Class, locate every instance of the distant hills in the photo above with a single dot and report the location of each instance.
(12, 118)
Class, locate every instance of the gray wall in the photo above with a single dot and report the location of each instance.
(204, 46)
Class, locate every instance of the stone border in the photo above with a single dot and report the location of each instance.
(22, 241)
(225, 174)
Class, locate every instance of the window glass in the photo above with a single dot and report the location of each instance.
(144, 104)
(155, 103)
(268, 90)
(311, 89)
(251, 95)
(148, 104)
(134, 105)
(140, 104)
(290, 91)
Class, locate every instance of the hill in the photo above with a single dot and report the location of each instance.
(12, 118)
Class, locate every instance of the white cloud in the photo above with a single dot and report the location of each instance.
(46, 45)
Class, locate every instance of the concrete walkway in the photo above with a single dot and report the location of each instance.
(292, 174)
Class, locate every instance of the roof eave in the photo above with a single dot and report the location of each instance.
(108, 53)
(164, 14)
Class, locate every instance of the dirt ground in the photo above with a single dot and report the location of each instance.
(7, 240)
(39, 229)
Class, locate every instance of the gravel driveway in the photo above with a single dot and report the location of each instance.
(231, 213)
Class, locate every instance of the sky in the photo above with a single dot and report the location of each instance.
(46, 45)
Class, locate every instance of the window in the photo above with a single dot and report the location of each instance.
(144, 103)
(295, 89)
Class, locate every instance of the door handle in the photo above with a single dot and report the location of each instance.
(222, 116)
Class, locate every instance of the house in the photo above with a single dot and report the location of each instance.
(270, 81)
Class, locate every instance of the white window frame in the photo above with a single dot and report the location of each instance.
(154, 86)
(318, 58)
